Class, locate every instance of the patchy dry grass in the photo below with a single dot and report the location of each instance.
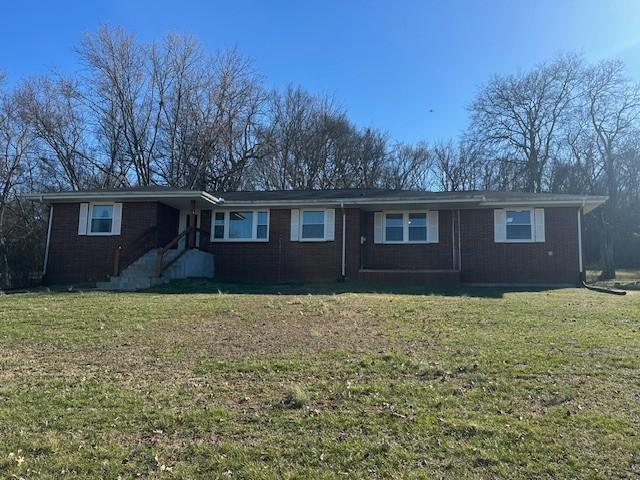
(624, 277)
(276, 383)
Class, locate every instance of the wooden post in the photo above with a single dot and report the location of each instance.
(159, 254)
(116, 262)
(192, 225)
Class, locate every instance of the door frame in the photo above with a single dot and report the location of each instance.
(182, 225)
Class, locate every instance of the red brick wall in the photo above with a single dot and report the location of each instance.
(74, 258)
(418, 256)
(554, 261)
(88, 258)
(280, 259)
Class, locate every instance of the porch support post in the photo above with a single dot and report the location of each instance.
(192, 225)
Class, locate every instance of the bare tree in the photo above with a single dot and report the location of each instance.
(122, 84)
(408, 167)
(457, 167)
(612, 105)
(520, 115)
(239, 105)
(301, 142)
(15, 141)
(368, 157)
(51, 109)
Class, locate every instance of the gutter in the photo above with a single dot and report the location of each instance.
(587, 203)
(478, 201)
(339, 202)
(60, 197)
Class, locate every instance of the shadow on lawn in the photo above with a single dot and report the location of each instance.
(334, 288)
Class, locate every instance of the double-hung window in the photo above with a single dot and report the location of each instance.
(101, 218)
(394, 227)
(262, 225)
(240, 226)
(312, 225)
(417, 227)
(519, 225)
(406, 227)
(218, 225)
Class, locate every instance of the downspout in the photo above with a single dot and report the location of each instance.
(454, 257)
(459, 245)
(46, 248)
(580, 266)
(344, 246)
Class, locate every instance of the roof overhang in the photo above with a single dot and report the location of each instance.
(182, 199)
(588, 203)
(175, 198)
(347, 202)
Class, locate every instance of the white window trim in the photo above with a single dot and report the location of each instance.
(532, 221)
(324, 225)
(90, 217)
(405, 227)
(254, 227)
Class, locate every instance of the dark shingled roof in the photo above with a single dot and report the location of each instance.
(379, 193)
(342, 194)
(364, 196)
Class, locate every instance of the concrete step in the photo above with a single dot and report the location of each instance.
(141, 273)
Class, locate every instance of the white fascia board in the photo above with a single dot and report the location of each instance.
(339, 202)
(122, 196)
(589, 203)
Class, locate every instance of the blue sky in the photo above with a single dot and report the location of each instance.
(387, 62)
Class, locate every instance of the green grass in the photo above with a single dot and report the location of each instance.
(274, 382)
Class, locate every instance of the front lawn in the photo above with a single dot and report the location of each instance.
(275, 383)
(628, 279)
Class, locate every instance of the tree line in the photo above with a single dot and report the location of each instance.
(170, 113)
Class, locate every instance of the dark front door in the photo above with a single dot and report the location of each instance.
(192, 239)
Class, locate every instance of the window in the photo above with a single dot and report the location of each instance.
(240, 226)
(394, 227)
(101, 219)
(218, 225)
(519, 225)
(406, 227)
(417, 227)
(262, 227)
(312, 224)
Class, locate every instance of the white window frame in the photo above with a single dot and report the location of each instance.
(405, 227)
(532, 223)
(324, 225)
(90, 218)
(254, 226)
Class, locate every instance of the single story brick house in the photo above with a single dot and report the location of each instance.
(375, 235)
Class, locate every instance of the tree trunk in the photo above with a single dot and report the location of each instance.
(4, 272)
(607, 258)
(610, 220)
